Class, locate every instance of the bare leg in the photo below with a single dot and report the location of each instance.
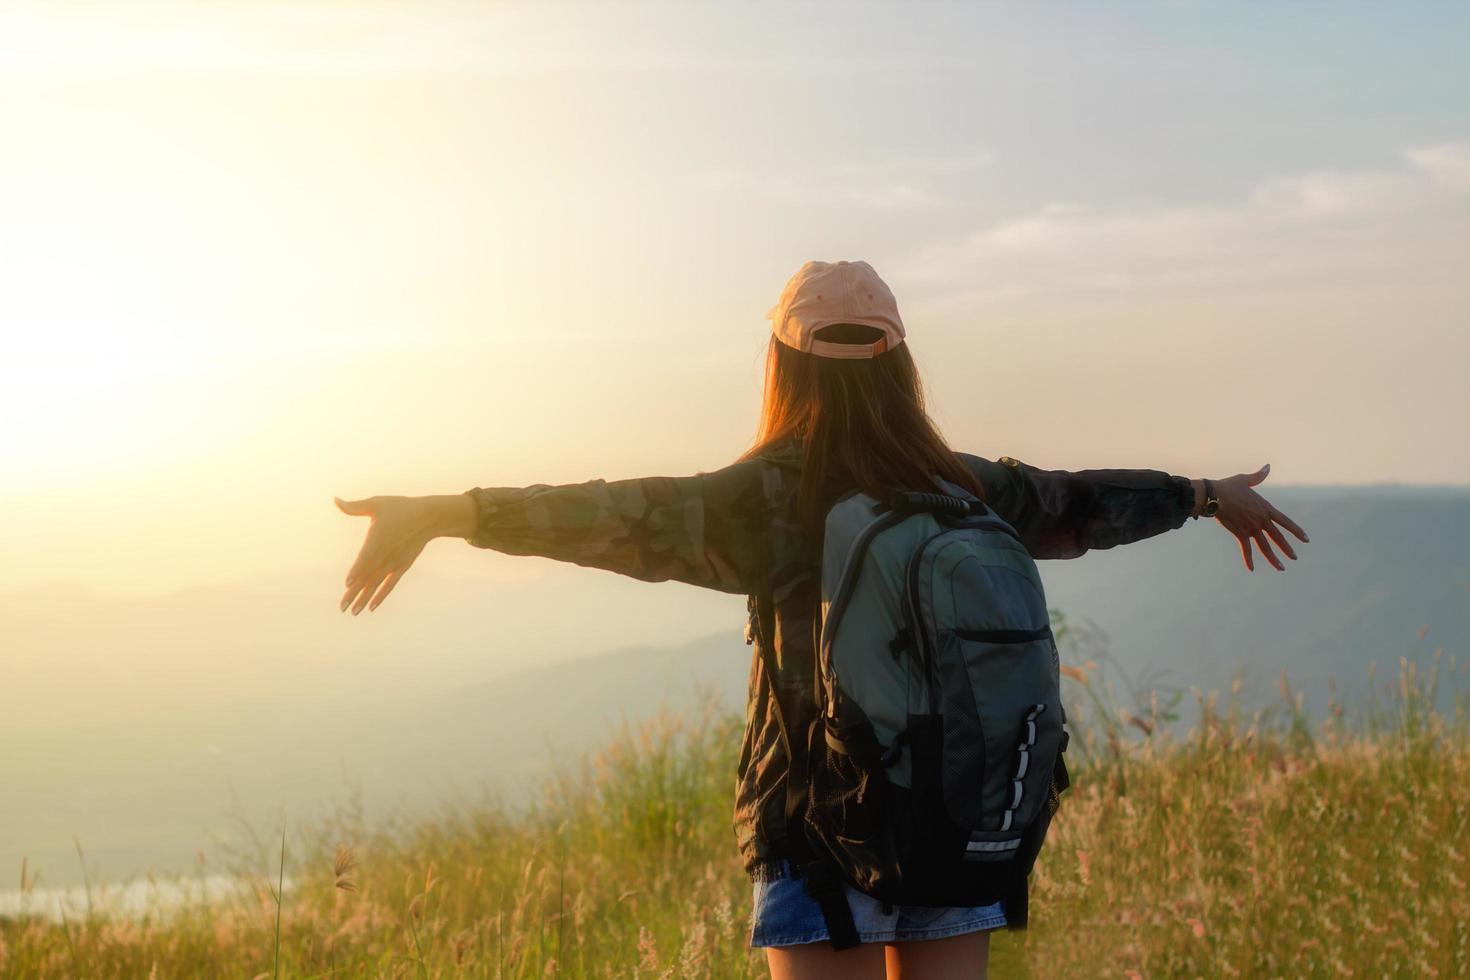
(956, 958)
(819, 961)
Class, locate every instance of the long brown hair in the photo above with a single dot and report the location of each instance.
(860, 422)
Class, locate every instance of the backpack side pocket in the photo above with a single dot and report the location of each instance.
(1002, 728)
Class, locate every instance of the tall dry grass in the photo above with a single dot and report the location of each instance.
(1256, 846)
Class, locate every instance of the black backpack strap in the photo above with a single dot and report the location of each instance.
(823, 883)
(1017, 905)
(1018, 900)
(1060, 778)
(829, 891)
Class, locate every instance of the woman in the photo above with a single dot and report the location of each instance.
(842, 408)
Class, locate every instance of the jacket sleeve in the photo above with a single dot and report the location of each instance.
(1064, 514)
(708, 529)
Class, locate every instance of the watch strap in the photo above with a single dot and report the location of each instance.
(1210, 498)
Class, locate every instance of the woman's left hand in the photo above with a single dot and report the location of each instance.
(1252, 518)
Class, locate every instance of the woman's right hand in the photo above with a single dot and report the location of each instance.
(1252, 518)
(401, 527)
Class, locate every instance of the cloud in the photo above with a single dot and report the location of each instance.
(1319, 226)
(1447, 163)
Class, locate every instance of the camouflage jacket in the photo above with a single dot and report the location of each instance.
(735, 530)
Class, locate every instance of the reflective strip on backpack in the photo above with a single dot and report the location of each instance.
(993, 845)
(1021, 766)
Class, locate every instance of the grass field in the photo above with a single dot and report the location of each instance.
(1252, 846)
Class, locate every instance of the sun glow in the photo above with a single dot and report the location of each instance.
(254, 255)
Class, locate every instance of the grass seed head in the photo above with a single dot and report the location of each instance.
(343, 867)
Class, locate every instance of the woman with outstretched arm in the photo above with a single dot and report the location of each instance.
(843, 409)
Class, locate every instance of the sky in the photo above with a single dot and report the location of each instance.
(256, 255)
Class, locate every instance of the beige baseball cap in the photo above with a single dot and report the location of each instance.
(824, 293)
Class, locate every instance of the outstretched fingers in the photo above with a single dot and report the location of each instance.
(370, 585)
(1245, 552)
(366, 573)
(354, 574)
(357, 508)
(389, 583)
(368, 590)
(1260, 538)
(355, 588)
(1280, 540)
(1288, 523)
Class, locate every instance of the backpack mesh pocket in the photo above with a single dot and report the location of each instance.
(849, 797)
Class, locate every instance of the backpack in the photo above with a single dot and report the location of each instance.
(934, 764)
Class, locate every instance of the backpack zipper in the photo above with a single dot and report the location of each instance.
(857, 554)
(922, 647)
(1004, 636)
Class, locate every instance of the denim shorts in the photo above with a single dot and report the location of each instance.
(785, 915)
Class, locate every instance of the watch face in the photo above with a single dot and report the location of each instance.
(1210, 507)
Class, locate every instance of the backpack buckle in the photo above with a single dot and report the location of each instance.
(899, 643)
(894, 752)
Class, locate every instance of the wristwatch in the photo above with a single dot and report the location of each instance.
(1212, 502)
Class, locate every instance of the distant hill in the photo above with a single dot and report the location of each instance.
(1382, 563)
(153, 792)
(286, 701)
